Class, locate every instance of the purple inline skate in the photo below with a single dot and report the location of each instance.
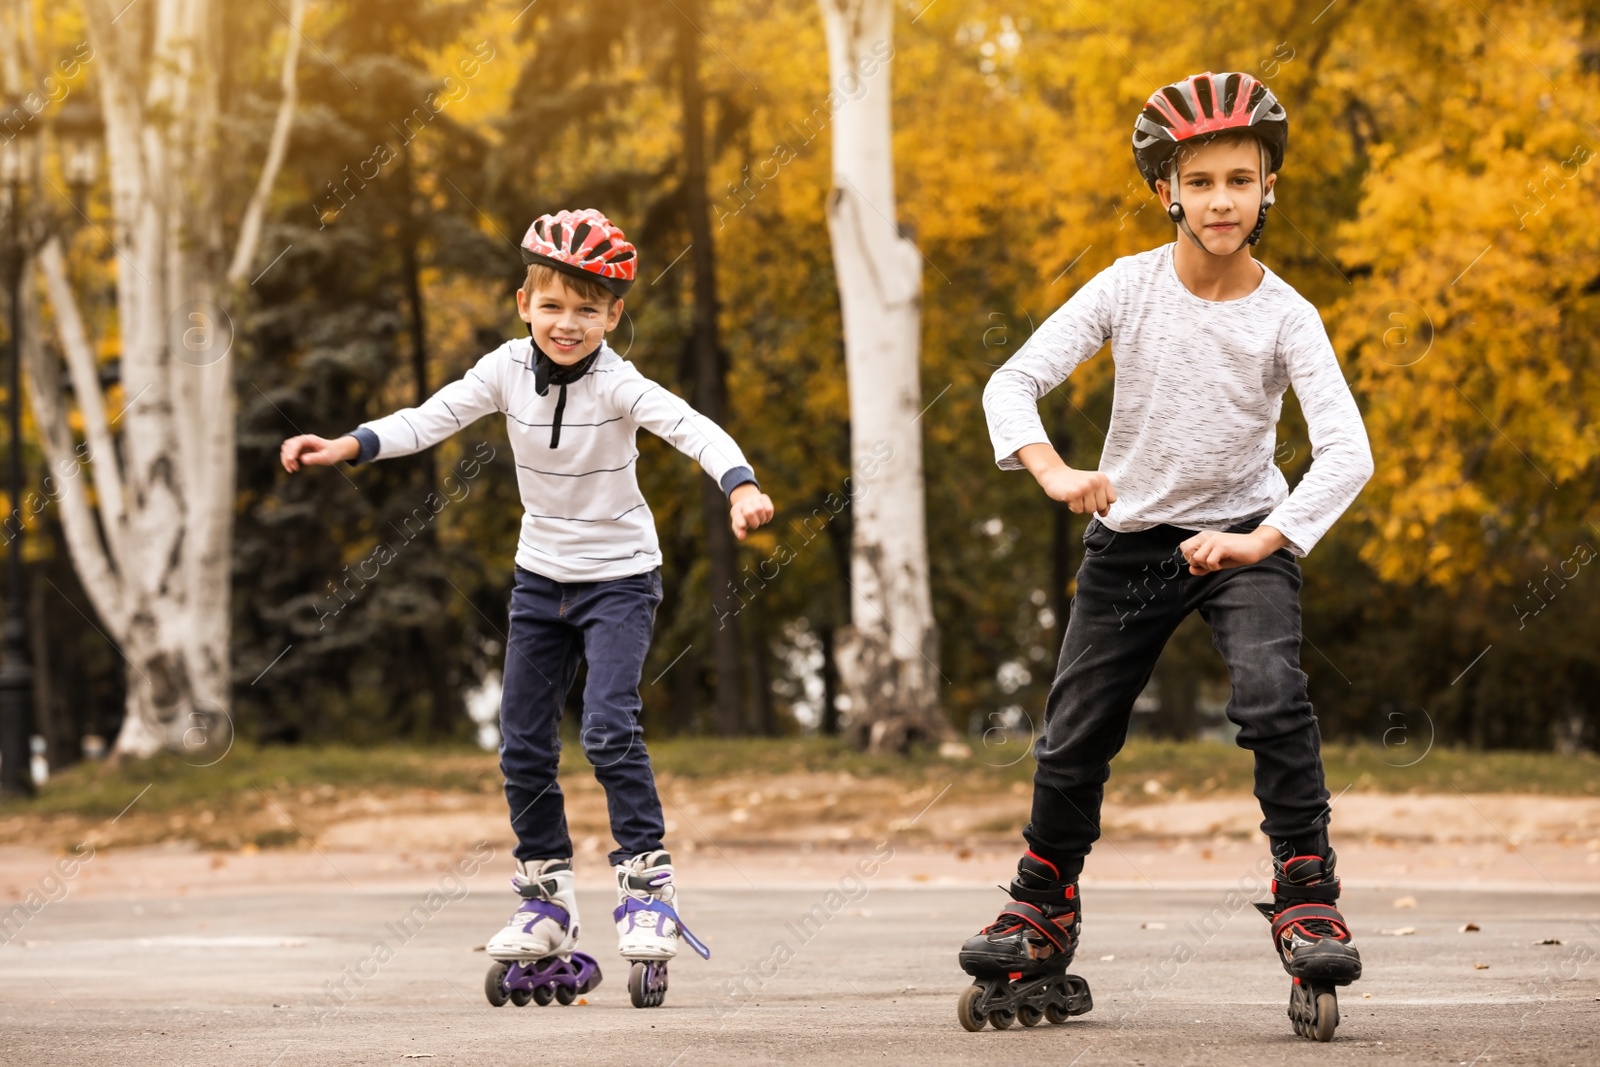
(534, 953)
(648, 926)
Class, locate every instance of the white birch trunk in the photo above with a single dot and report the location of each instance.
(887, 656)
(155, 554)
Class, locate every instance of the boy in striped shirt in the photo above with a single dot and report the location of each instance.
(587, 584)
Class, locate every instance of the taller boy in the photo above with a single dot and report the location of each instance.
(588, 581)
(1192, 515)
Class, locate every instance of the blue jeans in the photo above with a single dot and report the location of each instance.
(1133, 591)
(554, 625)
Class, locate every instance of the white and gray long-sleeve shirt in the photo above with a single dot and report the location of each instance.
(1198, 391)
(584, 518)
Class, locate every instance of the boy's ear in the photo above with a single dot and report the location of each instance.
(1164, 191)
(614, 317)
(523, 311)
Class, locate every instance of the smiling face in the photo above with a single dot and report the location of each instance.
(567, 324)
(1220, 186)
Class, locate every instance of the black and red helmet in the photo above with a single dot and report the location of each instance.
(584, 244)
(1201, 106)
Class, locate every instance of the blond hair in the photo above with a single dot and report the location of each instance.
(543, 276)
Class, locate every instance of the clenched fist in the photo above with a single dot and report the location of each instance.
(312, 451)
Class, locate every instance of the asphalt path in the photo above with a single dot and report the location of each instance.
(853, 969)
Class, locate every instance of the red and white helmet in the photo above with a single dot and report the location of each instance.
(584, 244)
(1201, 106)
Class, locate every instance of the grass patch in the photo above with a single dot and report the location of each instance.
(1193, 769)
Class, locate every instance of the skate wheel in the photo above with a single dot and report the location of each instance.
(565, 994)
(970, 1020)
(1001, 1020)
(520, 997)
(494, 984)
(1028, 1015)
(1056, 1013)
(542, 996)
(1327, 1017)
(647, 984)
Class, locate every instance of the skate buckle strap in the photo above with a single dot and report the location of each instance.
(633, 904)
(1301, 913)
(543, 909)
(1288, 891)
(1037, 919)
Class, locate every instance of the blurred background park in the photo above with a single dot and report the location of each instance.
(327, 202)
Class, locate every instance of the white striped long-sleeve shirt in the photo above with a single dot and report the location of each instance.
(1198, 391)
(584, 518)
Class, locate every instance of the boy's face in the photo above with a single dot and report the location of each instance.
(1220, 187)
(567, 326)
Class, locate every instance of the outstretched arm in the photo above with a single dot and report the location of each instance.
(408, 430)
(670, 418)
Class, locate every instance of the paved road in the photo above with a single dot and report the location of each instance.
(243, 979)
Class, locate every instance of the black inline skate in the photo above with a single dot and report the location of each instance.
(1020, 960)
(1313, 942)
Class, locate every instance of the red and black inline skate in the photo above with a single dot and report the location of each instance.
(1020, 960)
(1313, 942)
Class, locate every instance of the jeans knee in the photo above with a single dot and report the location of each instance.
(605, 744)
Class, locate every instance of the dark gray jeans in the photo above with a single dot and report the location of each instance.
(1133, 591)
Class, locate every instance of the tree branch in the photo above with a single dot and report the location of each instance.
(85, 374)
(95, 569)
(255, 213)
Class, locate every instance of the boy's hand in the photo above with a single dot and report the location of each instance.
(312, 451)
(1208, 551)
(749, 508)
(1081, 491)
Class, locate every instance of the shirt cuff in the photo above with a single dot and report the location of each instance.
(737, 477)
(369, 445)
(1005, 451)
(1294, 538)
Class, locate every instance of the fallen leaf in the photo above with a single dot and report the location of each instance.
(1406, 902)
(1470, 928)
(1366, 996)
(1549, 941)
(1152, 926)
(1404, 931)
(1107, 959)
(1480, 966)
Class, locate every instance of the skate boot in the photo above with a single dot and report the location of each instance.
(1020, 960)
(1313, 942)
(534, 952)
(648, 927)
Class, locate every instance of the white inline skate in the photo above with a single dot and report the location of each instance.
(534, 953)
(648, 927)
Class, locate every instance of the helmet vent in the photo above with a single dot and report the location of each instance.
(1178, 102)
